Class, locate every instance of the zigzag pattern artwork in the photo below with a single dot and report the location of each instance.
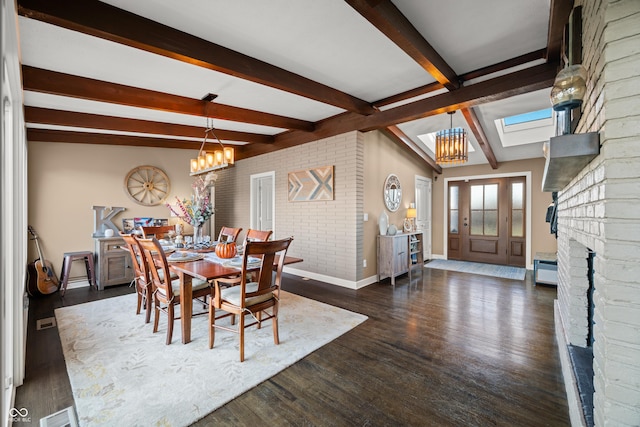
(311, 184)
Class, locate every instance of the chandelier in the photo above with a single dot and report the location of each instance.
(208, 161)
(452, 145)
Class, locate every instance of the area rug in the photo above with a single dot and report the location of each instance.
(122, 373)
(503, 271)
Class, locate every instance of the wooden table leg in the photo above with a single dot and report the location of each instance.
(186, 306)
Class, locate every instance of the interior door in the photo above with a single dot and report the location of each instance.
(486, 221)
(262, 201)
(423, 213)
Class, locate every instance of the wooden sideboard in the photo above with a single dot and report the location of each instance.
(399, 254)
(113, 264)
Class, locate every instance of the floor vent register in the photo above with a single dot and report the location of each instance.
(64, 418)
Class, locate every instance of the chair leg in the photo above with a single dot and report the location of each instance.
(147, 300)
(241, 326)
(212, 321)
(274, 325)
(259, 317)
(170, 311)
(139, 300)
(156, 315)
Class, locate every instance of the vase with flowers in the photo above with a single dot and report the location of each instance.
(197, 209)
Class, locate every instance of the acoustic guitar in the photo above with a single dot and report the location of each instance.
(41, 280)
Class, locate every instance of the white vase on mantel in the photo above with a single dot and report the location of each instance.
(383, 222)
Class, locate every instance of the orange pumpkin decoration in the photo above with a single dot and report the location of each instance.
(226, 250)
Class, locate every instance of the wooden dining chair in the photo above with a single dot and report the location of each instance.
(166, 290)
(228, 234)
(252, 236)
(159, 231)
(257, 235)
(253, 298)
(141, 278)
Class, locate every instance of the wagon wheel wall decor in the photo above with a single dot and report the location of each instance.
(147, 185)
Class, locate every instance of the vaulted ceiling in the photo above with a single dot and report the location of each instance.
(286, 72)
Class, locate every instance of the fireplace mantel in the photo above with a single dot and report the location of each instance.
(566, 156)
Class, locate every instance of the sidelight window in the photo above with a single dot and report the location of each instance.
(517, 209)
(454, 209)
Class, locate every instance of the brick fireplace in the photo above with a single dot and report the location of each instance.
(599, 222)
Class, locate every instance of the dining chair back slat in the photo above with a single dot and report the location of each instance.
(257, 235)
(229, 234)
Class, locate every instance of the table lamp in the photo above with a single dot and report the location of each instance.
(411, 216)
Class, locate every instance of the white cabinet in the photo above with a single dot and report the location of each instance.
(399, 254)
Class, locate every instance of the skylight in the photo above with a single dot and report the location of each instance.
(532, 116)
(528, 128)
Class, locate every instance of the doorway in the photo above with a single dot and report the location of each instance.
(486, 220)
(263, 201)
(423, 213)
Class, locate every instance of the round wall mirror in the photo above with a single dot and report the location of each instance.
(392, 193)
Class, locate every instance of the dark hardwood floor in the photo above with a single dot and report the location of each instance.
(447, 349)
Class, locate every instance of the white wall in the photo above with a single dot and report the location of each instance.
(599, 210)
(13, 224)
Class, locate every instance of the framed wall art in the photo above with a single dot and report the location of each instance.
(311, 184)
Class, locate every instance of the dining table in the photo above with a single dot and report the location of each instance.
(208, 269)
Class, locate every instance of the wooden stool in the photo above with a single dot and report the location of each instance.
(69, 257)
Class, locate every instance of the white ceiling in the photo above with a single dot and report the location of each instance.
(326, 41)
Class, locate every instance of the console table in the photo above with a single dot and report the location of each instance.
(113, 264)
(399, 254)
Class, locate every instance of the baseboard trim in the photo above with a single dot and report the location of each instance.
(350, 284)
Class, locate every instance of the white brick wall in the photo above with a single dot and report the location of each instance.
(599, 210)
(327, 234)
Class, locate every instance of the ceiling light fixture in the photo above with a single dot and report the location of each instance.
(209, 161)
(452, 145)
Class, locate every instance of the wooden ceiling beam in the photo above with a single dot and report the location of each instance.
(504, 65)
(97, 121)
(102, 20)
(435, 86)
(495, 89)
(475, 126)
(386, 17)
(402, 139)
(412, 93)
(559, 12)
(498, 88)
(52, 82)
(72, 137)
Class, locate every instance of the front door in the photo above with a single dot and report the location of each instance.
(486, 221)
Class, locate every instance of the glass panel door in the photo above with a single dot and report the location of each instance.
(484, 210)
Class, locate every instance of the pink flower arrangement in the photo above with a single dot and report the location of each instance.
(197, 209)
